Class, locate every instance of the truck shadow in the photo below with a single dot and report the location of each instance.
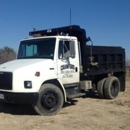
(93, 95)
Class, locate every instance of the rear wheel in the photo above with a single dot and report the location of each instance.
(50, 100)
(100, 86)
(111, 87)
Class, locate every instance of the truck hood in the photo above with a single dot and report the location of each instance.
(26, 63)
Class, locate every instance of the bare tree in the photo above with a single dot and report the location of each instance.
(7, 54)
(128, 62)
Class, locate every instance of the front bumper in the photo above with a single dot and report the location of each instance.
(19, 98)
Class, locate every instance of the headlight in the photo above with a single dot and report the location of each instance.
(27, 84)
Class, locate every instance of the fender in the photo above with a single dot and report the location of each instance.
(64, 92)
(57, 82)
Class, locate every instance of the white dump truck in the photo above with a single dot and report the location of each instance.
(56, 65)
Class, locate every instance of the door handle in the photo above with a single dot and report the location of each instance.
(76, 69)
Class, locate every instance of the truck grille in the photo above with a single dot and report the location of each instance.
(6, 80)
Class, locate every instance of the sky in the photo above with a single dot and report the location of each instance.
(107, 22)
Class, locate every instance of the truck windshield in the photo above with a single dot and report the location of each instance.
(37, 48)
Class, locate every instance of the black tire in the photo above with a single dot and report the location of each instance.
(100, 88)
(111, 87)
(50, 100)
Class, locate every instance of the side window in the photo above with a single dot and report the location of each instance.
(60, 52)
(66, 49)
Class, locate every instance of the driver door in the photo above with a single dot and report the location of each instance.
(68, 63)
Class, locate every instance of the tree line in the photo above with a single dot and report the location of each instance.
(128, 62)
(7, 54)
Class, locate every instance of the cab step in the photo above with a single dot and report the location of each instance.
(76, 95)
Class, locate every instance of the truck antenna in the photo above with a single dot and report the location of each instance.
(70, 22)
(70, 16)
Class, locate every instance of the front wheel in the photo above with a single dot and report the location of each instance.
(50, 100)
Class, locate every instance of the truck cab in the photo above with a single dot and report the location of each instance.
(56, 66)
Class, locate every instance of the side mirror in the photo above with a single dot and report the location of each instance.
(72, 49)
(67, 55)
(67, 49)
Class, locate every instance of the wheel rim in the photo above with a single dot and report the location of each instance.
(114, 89)
(49, 100)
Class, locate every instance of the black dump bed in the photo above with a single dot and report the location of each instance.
(104, 59)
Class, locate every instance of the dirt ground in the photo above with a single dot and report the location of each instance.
(90, 113)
